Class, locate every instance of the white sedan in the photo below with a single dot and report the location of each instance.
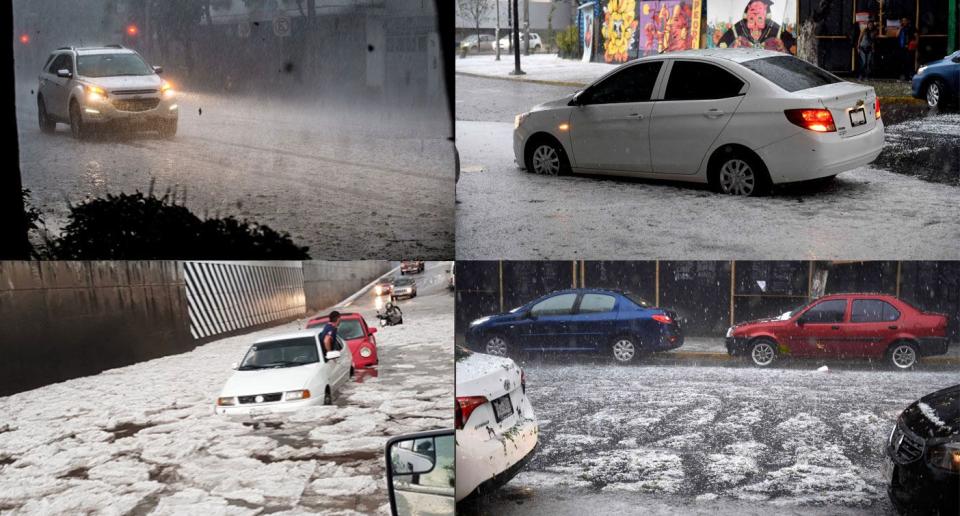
(738, 119)
(283, 374)
(496, 429)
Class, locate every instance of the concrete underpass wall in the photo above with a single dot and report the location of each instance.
(326, 283)
(61, 320)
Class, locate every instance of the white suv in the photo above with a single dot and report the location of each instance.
(86, 87)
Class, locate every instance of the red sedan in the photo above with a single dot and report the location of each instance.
(358, 336)
(844, 326)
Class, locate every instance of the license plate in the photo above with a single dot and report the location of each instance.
(259, 412)
(858, 117)
(502, 408)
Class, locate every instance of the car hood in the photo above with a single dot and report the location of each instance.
(769, 321)
(126, 82)
(561, 102)
(935, 415)
(264, 381)
(479, 374)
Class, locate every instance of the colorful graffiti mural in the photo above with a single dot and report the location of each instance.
(618, 31)
(587, 35)
(668, 25)
(752, 24)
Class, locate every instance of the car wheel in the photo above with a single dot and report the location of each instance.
(327, 398)
(738, 173)
(936, 90)
(497, 346)
(623, 350)
(547, 158)
(352, 370)
(47, 125)
(763, 352)
(902, 356)
(77, 128)
(167, 128)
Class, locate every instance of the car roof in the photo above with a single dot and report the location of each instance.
(343, 315)
(86, 51)
(585, 291)
(860, 294)
(312, 332)
(737, 55)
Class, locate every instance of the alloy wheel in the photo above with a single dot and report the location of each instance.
(497, 346)
(903, 356)
(546, 161)
(762, 354)
(737, 177)
(624, 350)
(933, 94)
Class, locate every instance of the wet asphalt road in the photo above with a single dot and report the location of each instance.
(349, 181)
(709, 440)
(504, 213)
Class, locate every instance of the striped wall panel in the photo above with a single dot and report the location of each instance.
(226, 296)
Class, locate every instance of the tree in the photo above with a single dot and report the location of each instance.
(807, 36)
(474, 11)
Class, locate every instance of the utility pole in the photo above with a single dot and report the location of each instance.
(497, 37)
(526, 27)
(516, 40)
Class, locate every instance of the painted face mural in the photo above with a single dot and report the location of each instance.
(758, 24)
(619, 25)
(669, 25)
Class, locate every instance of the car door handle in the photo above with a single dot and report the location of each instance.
(713, 113)
(635, 116)
(834, 327)
(894, 327)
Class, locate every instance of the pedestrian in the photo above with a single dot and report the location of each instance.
(865, 46)
(907, 39)
(328, 335)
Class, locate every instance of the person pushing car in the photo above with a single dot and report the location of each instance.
(328, 335)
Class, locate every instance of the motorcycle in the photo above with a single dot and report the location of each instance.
(390, 315)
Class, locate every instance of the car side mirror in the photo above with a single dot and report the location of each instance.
(530, 315)
(158, 70)
(801, 322)
(956, 59)
(372, 330)
(575, 101)
(412, 455)
(332, 355)
(63, 72)
(235, 366)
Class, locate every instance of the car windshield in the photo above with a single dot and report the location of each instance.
(350, 329)
(111, 65)
(786, 315)
(281, 353)
(403, 282)
(790, 73)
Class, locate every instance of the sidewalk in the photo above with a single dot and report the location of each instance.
(552, 70)
(711, 348)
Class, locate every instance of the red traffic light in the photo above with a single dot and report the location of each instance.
(132, 30)
(24, 38)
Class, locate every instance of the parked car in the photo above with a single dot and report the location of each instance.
(404, 287)
(421, 473)
(579, 320)
(94, 86)
(282, 374)
(383, 287)
(491, 407)
(938, 82)
(412, 267)
(738, 119)
(359, 337)
(471, 43)
(922, 463)
(535, 43)
(876, 326)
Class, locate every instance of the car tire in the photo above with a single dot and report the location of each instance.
(624, 350)
(47, 124)
(77, 128)
(327, 397)
(935, 93)
(545, 156)
(167, 128)
(352, 371)
(762, 352)
(902, 356)
(498, 346)
(738, 172)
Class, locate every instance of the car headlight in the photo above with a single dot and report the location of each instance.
(519, 120)
(378, 290)
(167, 89)
(480, 321)
(95, 93)
(945, 456)
(296, 395)
(921, 69)
(730, 332)
(226, 402)
(365, 352)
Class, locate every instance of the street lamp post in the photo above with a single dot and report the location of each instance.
(516, 39)
(497, 37)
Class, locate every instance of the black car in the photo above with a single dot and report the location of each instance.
(923, 455)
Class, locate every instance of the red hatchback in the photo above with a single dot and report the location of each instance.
(844, 326)
(358, 336)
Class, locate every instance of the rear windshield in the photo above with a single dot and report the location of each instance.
(790, 73)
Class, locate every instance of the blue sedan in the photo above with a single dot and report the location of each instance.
(578, 320)
(939, 82)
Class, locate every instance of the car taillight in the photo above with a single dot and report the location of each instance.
(464, 407)
(662, 318)
(819, 120)
(876, 106)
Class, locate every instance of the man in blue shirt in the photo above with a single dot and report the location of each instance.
(328, 335)
(907, 38)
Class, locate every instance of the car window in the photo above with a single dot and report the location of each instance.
(694, 80)
(556, 305)
(597, 303)
(826, 312)
(48, 66)
(631, 84)
(873, 310)
(62, 62)
(790, 73)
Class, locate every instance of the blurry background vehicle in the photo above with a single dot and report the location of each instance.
(421, 473)
(404, 287)
(922, 459)
(938, 82)
(876, 326)
(491, 406)
(579, 320)
(411, 266)
(359, 337)
(535, 43)
(383, 287)
(472, 44)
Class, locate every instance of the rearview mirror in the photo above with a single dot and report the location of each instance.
(331, 355)
(420, 473)
(158, 70)
(63, 72)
